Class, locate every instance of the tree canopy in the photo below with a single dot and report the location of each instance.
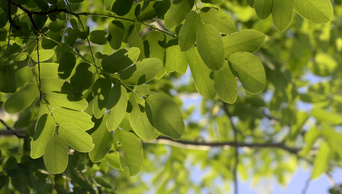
(128, 96)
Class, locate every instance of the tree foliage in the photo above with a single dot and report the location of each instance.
(93, 90)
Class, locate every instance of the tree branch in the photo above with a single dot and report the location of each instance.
(9, 131)
(227, 144)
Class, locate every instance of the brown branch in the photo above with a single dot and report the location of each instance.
(225, 144)
(9, 131)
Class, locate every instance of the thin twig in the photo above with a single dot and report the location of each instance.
(10, 131)
(235, 130)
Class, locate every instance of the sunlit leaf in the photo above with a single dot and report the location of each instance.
(245, 40)
(175, 60)
(117, 105)
(321, 161)
(177, 12)
(282, 13)
(187, 34)
(56, 155)
(22, 99)
(165, 115)
(263, 8)
(250, 71)
(210, 46)
(78, 118)
(130, 149)
(44, 55)
(317, 11)
(76, 137)
(219, 19)
(141, 72)
(103, 142)
(226, 84)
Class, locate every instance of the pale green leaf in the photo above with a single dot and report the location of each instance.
(210, 46)
(141, 72)
(56, 155)
(130, 149)
(175, 60)
(263, 8)
(187, 34)
(76, 137)
(245, 40)
(226, 84)
(117, 105)
(219, 19)
(177, 12)
(22, 99)
(317, 11)
(44, 130)
(103, 141)
(139, 121)
(165, 115)
(201, 75)
(325, 116)
(47, 70)
(250, 71)
(57, 100)
(22, 76)
(282, 13)
(44, 55)
(321, 162)
(78, 118)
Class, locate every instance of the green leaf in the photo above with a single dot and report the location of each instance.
(134, 40)
(79, 119)
(325, 116)
(66, 64)
(98, 37)
(263, 8)
(8, 79)
(210, 46)
(141, 72)
(334, 138)
(120, 60)
(57, 100)
(282, 13)
(51, 84)
(22, 76)
(47, 70)
(122, 7)
(103, 141)
(101, 89)
(177, 12)
(250, 71)
(323, 65)
(113, 160)
(321, 161)
(310, 138)
(130, 148)
(44, 130)
(81, 80)
(117, 105)
(245, 40)
(44, 55)
(165, 115)
(76, 137)
(219, 19)
(56, 155)
(226, 84)
(187, 34)
(155, 41)
(175, 60)
(116, 31)
(57, 26)
(139, 121)
(22, 99)
(317, 11)
(201, 75)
